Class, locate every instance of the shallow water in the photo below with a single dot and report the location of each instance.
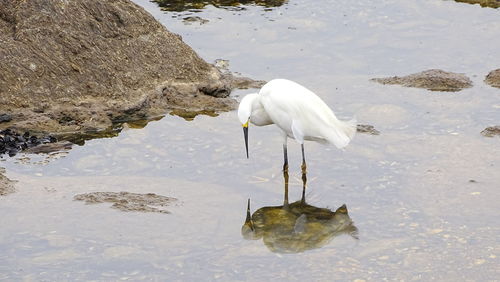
(423, 194)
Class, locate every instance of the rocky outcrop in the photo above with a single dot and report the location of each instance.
(493, 78)
(81, 65)
(483, 3)
(434, 80)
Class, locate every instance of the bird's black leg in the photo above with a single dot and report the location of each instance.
(304, 176)
(304, 181)
(285, 155)
(303, 160)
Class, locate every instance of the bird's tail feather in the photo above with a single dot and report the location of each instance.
(350, 127)
(341, 132)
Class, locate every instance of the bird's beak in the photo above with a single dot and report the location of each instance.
(245, 133)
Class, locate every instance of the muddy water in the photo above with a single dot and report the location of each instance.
(423, 194)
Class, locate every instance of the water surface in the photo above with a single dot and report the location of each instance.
(423, 194)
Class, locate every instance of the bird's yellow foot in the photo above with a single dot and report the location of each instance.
(304, 168)
(285, 168)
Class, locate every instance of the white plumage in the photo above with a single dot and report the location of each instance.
(298, 112)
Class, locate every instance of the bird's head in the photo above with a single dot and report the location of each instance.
(244, 114)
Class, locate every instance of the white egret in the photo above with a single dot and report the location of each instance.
(298, 112)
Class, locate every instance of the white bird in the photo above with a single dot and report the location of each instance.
(298, 112)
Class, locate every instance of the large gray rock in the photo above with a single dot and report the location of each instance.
(80, 65)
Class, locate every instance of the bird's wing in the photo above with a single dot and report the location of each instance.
(286, 101)
(297, 131)
(300, 112)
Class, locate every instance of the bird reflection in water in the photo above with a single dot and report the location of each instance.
(296, 227)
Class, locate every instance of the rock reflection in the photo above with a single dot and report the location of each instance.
(296, 227)
(179, 6)
(79, 138)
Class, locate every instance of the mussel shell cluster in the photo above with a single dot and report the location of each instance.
(12, 142)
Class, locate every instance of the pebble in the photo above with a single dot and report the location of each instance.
(479, 261)
(436, 231)
(5, 118)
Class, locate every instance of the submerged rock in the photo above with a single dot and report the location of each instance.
(491, 131)
(493, 78)
(73, 66)
(126, 201)
(6, 185)
(368, 129)
(194, 19)
(434, 80)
